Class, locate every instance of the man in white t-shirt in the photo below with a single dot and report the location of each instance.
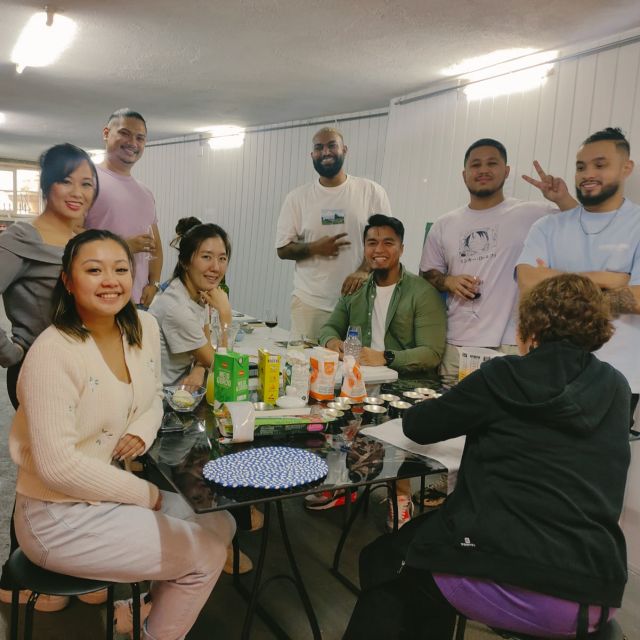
(601, 240)
(470, 253)
(320, 227)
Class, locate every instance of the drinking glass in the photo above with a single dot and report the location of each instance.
(149, 254)
(271, 320)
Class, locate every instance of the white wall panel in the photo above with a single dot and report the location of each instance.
(427, 138)
(243, 189)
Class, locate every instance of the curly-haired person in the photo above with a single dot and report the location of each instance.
(529, 539)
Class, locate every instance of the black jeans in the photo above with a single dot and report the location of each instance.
(398, 602)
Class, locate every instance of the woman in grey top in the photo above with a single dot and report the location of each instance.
(31, 252)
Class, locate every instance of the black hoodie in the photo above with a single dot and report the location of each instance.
(542, 477)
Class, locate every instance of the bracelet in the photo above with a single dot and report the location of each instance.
(155, 284)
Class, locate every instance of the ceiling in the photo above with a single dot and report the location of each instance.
(194, 63)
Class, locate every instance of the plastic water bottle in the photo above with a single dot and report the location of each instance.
(353, 344)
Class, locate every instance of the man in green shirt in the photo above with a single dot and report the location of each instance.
(402, 317)
(403, 324)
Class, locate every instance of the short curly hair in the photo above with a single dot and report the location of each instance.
(566, 307)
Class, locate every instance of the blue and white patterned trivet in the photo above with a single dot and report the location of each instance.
(266, 468)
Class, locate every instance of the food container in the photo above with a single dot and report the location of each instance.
(262, 406)
(183, 397)
(374, 414)
(398, 408)
(339, 405)
(426, 391)
(372, 400)
(389, 397)
(414, 396)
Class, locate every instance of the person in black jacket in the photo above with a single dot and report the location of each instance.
(529, 539)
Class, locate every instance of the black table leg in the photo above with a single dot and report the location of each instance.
(362, 499)
(297, 578)
(422, 488)
(259, 585)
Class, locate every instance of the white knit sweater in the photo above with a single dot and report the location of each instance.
(73, 410)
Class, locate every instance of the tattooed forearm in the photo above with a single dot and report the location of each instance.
(434, 277)
(622, 301)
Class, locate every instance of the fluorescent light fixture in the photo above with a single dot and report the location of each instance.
(45, 36)
(516, 82)
(3, 118)
(224, 136)
(97, 155)
(503, 71)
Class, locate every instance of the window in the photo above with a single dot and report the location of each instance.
(19, 191)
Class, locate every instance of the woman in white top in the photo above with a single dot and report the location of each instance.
(204, 252)
(91, 397)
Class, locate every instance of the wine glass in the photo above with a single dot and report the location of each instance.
(148, 253)
(271, 320)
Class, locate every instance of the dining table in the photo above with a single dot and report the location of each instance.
(191, 440)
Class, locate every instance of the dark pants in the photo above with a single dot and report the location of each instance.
(634, 404)
(398, 603)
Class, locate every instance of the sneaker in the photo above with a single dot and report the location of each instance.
(405, 511)
(97, 597)
(432, 498)
(44, 603)
(123, 613)
(327, 500)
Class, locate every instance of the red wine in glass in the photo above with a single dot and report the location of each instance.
(270, 320)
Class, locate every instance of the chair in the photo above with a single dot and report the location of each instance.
(23, 574)
(611, 631)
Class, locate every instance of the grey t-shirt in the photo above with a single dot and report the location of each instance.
(29, 270)
(181, 321)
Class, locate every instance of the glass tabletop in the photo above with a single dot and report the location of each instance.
(181, 456)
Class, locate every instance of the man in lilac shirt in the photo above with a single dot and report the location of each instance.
(126, 206)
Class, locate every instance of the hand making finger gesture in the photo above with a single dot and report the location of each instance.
(552, 188)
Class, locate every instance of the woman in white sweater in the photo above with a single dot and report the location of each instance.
(90, 398)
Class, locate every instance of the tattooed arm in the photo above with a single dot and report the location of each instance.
(464, 285)
(624, 300)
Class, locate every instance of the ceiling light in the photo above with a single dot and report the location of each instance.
(517, 82)
(3, 118)
(45, 36)
(225, 136)
(469, 65)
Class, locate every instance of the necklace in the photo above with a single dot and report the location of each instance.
(595, 233)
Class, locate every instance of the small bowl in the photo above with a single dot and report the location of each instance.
(413, 395)
(263, 406)
(183, 397)
(246, 327)
(372, 400)
(375, 408)
(389, 397)
(340, 406)
(426, 391)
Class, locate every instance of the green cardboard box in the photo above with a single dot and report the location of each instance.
(231, 375)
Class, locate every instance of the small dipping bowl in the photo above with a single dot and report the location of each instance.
(339, 405)
(413, 395)
(397, 408)
(262, 406)
(374, 413)
(426, 391)
(372, 400)
(389, 397)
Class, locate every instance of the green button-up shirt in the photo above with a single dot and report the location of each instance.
(415, 327)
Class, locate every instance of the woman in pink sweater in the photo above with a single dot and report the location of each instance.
(90, 398)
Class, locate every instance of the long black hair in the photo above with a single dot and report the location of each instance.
(65, 315)
(190, 243)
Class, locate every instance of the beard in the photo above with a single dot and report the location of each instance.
(606, 192)
(485, 193)
(330, 170)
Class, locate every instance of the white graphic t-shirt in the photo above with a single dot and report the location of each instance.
(313, 211)
(486, 244)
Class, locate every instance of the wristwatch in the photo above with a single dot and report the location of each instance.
(156, 284)
(389, 357)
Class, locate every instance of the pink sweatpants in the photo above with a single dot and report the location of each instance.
(181, 552)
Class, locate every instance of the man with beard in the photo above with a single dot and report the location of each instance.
(126, 206)
(320, 227)
(470, 253)
(599, 239)
(403, 326)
